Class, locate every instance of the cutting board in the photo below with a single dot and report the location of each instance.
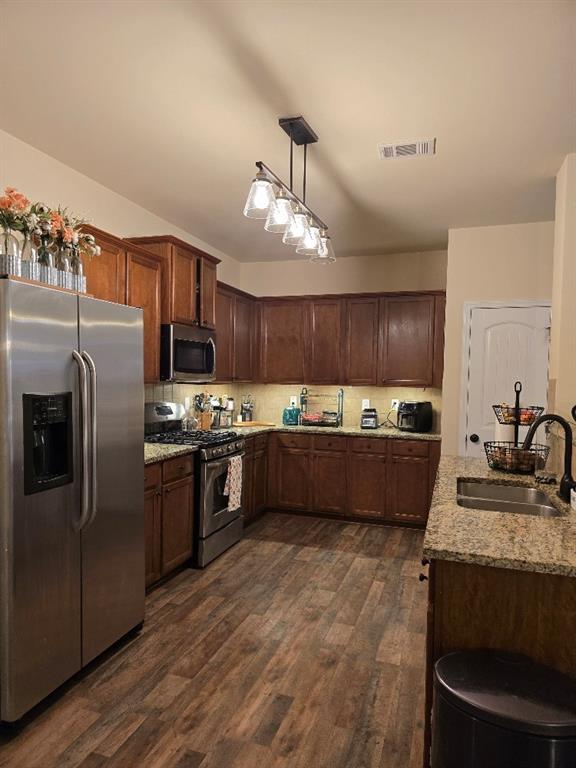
(254, 424)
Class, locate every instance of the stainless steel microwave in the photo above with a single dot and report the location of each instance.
(187, 354)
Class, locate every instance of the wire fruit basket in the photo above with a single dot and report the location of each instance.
(508, 457)
(526, 414)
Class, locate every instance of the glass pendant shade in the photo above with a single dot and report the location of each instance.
(280, 215)
(310, 241)
(260, 198)
(295, 232)
(325, 253)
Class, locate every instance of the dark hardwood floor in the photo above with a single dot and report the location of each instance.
(303, 646)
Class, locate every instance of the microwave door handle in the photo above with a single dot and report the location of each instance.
(83, 389)
(211, 343)
(93, 438)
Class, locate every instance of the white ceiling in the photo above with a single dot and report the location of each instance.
(170, 103)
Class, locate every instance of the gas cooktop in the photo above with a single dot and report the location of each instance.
(194, 437)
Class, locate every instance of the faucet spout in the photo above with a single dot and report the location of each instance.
(567, 481)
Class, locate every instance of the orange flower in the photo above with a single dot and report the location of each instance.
(14, 200)
(57, 220)
(67, 234)
(5, 202)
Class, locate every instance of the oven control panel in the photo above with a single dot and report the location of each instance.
(219, 451)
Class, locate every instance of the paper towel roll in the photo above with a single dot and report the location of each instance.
(504, 432)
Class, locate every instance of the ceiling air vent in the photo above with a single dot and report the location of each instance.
(407, 149)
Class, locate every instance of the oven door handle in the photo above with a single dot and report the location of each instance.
(214, 464)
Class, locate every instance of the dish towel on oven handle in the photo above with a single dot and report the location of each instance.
(233, 484)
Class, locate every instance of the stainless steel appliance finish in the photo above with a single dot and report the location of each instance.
(187, 354)
(505, 498)
(369, 419)
(72, 567)
(217, 526)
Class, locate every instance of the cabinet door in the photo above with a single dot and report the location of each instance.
(143, 287)
(248, 488)
(183, 288)
(325, 344)
(361, 341)
(293, 479)
(106, 274)
(329, 482)
(283, 341)
(260, 482)
(439, 322)
(224, 335)
(367, 484)
(243, 339)
(207, 294)
(177, 522)
(408, 489)
(153, 535)
(407, 341)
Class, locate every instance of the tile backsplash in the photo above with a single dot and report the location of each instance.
(271, 399)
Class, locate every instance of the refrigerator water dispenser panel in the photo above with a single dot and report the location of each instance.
(47, 422)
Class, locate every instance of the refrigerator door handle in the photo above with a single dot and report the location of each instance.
(85, 506)
(93, 438)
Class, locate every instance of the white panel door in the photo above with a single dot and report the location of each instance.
(506, 344)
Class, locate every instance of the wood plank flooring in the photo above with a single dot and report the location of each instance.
(302, 647)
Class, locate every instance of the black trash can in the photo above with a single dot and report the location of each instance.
(499, 710)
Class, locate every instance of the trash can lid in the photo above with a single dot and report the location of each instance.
(510, 691)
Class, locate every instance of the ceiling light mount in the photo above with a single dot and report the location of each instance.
(285, 212)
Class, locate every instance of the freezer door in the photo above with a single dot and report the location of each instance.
(40, 562)
(113, 541)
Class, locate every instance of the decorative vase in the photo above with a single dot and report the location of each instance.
(48, 272)
(10, 259)
(78, 277)
(30, 263)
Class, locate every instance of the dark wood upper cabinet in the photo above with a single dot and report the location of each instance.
(439, 323)
(407, 340)
(106, 274)
(244, 325)
(207, 283)
(361, 341)
(283, 342)
(189, 293)
(143, 289)
(183, 286)
(325, 343)
(224, 335)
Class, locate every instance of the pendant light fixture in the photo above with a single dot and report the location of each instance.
(286, 213)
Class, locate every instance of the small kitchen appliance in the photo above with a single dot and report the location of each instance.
(369, 418)
(187, 354)
(415, 415)
(291, 416)
(216, 526)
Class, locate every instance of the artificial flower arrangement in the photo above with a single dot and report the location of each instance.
(55, 232)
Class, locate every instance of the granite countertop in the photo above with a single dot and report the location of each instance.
(154, 452)
(498, 539)
(391, 432)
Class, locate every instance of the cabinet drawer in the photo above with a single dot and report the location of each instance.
(174, 469)
(329, 443)
(260, 442)
(152, 476)
(409, 447)
(369, 444)
(290, 440)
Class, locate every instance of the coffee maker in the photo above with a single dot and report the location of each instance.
(415, 415)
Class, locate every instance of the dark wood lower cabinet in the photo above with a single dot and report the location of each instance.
(168, 516)
(408, 489)
(293, 479)
(367, 482)
(177, 523)
(260, 481)
(255, 478)
(248, 484)
(329, 482)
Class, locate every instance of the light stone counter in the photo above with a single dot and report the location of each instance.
(498, 539)
(154, 452)
(390, 432)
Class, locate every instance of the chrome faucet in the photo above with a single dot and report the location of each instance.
(567, 482)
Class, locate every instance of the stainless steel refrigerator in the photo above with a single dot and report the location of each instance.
(71, 486)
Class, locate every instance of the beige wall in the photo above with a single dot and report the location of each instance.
(393, 272)
(271, 399)
(489, 264)
(43, 178)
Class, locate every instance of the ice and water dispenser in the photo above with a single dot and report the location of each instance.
(48, 455)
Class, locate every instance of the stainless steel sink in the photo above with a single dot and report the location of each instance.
(505, 498)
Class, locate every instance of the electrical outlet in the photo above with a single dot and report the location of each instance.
(394, 404)
(365, 405)
(293, 400)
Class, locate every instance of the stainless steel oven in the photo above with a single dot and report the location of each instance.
(187, 354)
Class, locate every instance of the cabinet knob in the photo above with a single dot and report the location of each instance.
(423, 577)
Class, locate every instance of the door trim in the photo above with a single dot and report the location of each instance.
(468, 307)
